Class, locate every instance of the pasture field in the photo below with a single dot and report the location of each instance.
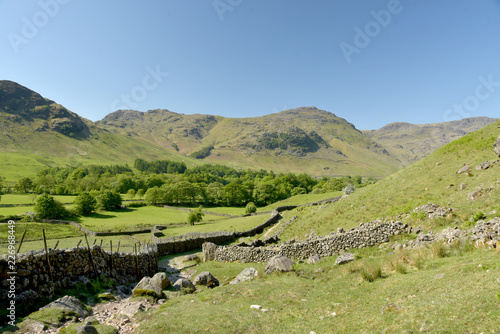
(135, 218)
(29, 199)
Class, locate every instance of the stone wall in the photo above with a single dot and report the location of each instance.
(365, 235)
(73, 265)
(193, 241)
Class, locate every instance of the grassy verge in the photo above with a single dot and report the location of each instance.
(455, 293)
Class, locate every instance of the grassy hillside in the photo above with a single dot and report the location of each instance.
(432, 179)
(36, 132)
(412, 142)
(299, 140)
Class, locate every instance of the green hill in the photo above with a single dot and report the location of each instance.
(433, 179)
(299, 140)
(37, 132)
(412, 142)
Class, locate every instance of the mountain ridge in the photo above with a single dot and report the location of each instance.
(37, 132)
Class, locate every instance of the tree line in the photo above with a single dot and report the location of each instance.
(172, 183)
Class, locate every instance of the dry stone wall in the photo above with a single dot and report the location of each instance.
(192, 241)
(368, 234)
(70, 266)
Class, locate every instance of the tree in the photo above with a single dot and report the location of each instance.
(109, 200)
(250, 208)
(131, 194)
(195, 216)
(154, 196)
(24, 185)
(140, 193)
(85, 204)
(46, 207)
(349, 189)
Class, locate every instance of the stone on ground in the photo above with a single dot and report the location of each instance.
(279, 263)
(69, 304)
(246, 275)
(184, 284)
(345, 258)
(206, 278)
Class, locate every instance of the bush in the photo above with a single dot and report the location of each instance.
(349, 189)
(109, 200)
(46, 207)
(250, 208)
(85, 204)
(195, 216)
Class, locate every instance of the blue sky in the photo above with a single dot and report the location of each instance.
(371, 62)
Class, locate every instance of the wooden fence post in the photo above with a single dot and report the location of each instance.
(21, 242)
(90, 258)
(47, 255)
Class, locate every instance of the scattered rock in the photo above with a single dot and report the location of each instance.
(319, 270)
(485, 165)
(209, 249)
(206, 278)
(257, 307)
(148, 288)
(476, 193)
(463, 186)
(185, 285)
(464, 169)
(433, 210)
(160, 280)
(340, 230)
(32, 326)
(87, 328)
(438, 276)
(279, 263)
(246, 275)
(345, 258)
(313, 259)
(132, 309)
(69, 304)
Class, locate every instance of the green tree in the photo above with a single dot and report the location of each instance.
(154, 196)
(250, 208)
(24, 185)
(85, 203)
(131, 194)
(140, 193)
(195, 216)
(46, 207)
(109, 200)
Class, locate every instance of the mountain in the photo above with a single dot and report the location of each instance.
(305, 139)
(36, 132)
(410, 142)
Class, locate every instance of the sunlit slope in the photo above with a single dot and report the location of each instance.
(432, 179)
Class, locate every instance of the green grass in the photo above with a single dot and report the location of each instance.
(426, 181)
(452, 294)
(231, 224)
(301, 199)
(29, 199)
(34, 231)
(136, 218)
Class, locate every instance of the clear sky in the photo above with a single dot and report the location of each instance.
(371, 62)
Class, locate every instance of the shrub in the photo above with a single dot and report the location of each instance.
(349, 189)
(109, 200)
(85, 204)
(46, 207)
(439, 250)
(131, 193)
(195, 216)
(250, 208)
